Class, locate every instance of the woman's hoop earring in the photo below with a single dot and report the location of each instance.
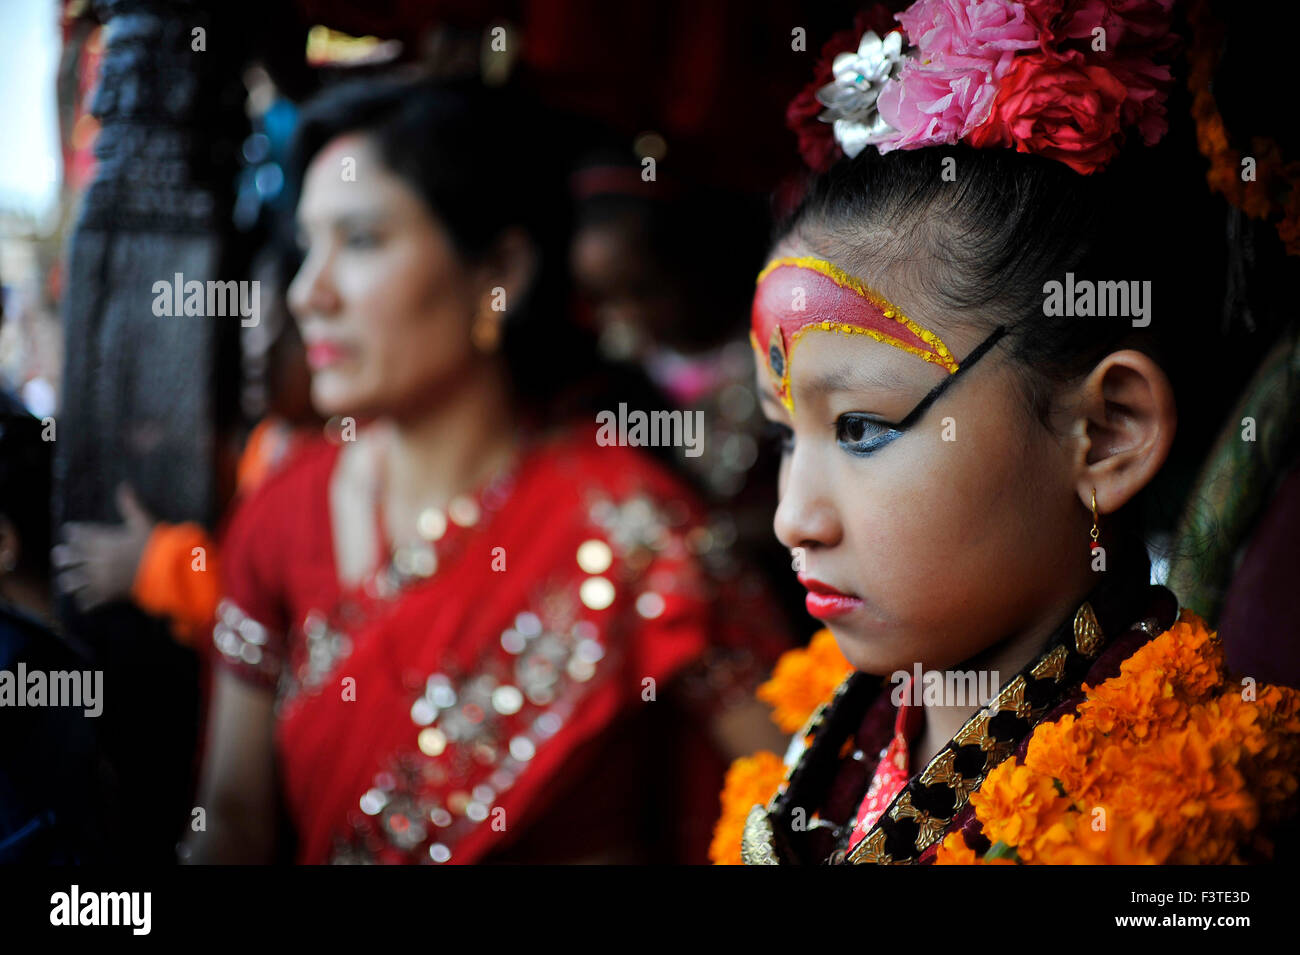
(485, 332)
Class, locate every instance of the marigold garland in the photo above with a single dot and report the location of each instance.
(802, 680)
(750, 782)
(1168, 762)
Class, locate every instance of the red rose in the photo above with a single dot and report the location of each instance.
(1127, 23)
(1060, 107)
(817, 143)
(1147, 84)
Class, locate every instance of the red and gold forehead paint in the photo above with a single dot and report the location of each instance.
(798, 295)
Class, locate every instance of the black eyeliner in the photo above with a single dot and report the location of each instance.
(942, 386)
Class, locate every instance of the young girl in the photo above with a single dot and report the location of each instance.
(954, 337)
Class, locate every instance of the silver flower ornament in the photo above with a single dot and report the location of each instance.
(850, 98)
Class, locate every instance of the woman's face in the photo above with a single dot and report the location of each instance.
(630, 294)
(382, 299)
(951, 537)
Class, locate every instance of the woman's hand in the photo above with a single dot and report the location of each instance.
(237, 791)
(96, 563)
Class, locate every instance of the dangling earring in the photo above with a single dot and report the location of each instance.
(1095, 532)
(485, 332)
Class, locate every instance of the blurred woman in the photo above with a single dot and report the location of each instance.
(447, 630)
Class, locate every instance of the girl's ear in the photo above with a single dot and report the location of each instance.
(1127, 417)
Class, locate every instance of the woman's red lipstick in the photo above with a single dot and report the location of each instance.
(824, 601)
(323, 354)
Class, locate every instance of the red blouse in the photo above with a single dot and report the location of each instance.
(894, 768)
(435, 718)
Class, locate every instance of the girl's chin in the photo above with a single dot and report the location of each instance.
(867, 649)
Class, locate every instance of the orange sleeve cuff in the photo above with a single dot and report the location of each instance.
(178, 579)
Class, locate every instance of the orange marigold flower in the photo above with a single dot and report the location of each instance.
(1188, 654)
(1064, 750)
(954, 851)
(1109, 839)
(751, 781)
(803, 679)
(1015, 803)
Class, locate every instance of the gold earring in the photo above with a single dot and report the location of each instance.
(485, 332)
(1095, 532)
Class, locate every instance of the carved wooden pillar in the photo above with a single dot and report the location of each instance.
(142, 393)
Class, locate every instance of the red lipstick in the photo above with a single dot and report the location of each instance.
(824, 601)
(323, 354)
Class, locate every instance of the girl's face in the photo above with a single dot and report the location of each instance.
(948, 539)
(382, 300)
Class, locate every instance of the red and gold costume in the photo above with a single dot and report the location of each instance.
(445, 708)
(1155, 755)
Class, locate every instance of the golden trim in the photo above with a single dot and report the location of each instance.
(930, 828)
(871, 850)
(942, 769)
(1012, 697)
(1052, 665)
(1088, 637)
(975, 732)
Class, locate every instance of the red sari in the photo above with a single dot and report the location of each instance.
(441, 718)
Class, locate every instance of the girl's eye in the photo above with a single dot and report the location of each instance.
(779, 436)
(859, 434)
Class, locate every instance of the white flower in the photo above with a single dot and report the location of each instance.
(850, 98)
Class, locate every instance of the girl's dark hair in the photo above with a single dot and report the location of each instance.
(484, 160)
(978, 233)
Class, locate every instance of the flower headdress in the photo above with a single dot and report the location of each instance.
(1060, 78)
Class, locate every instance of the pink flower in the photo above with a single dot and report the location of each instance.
(935, 103)
(984, 29)
(963, 47)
